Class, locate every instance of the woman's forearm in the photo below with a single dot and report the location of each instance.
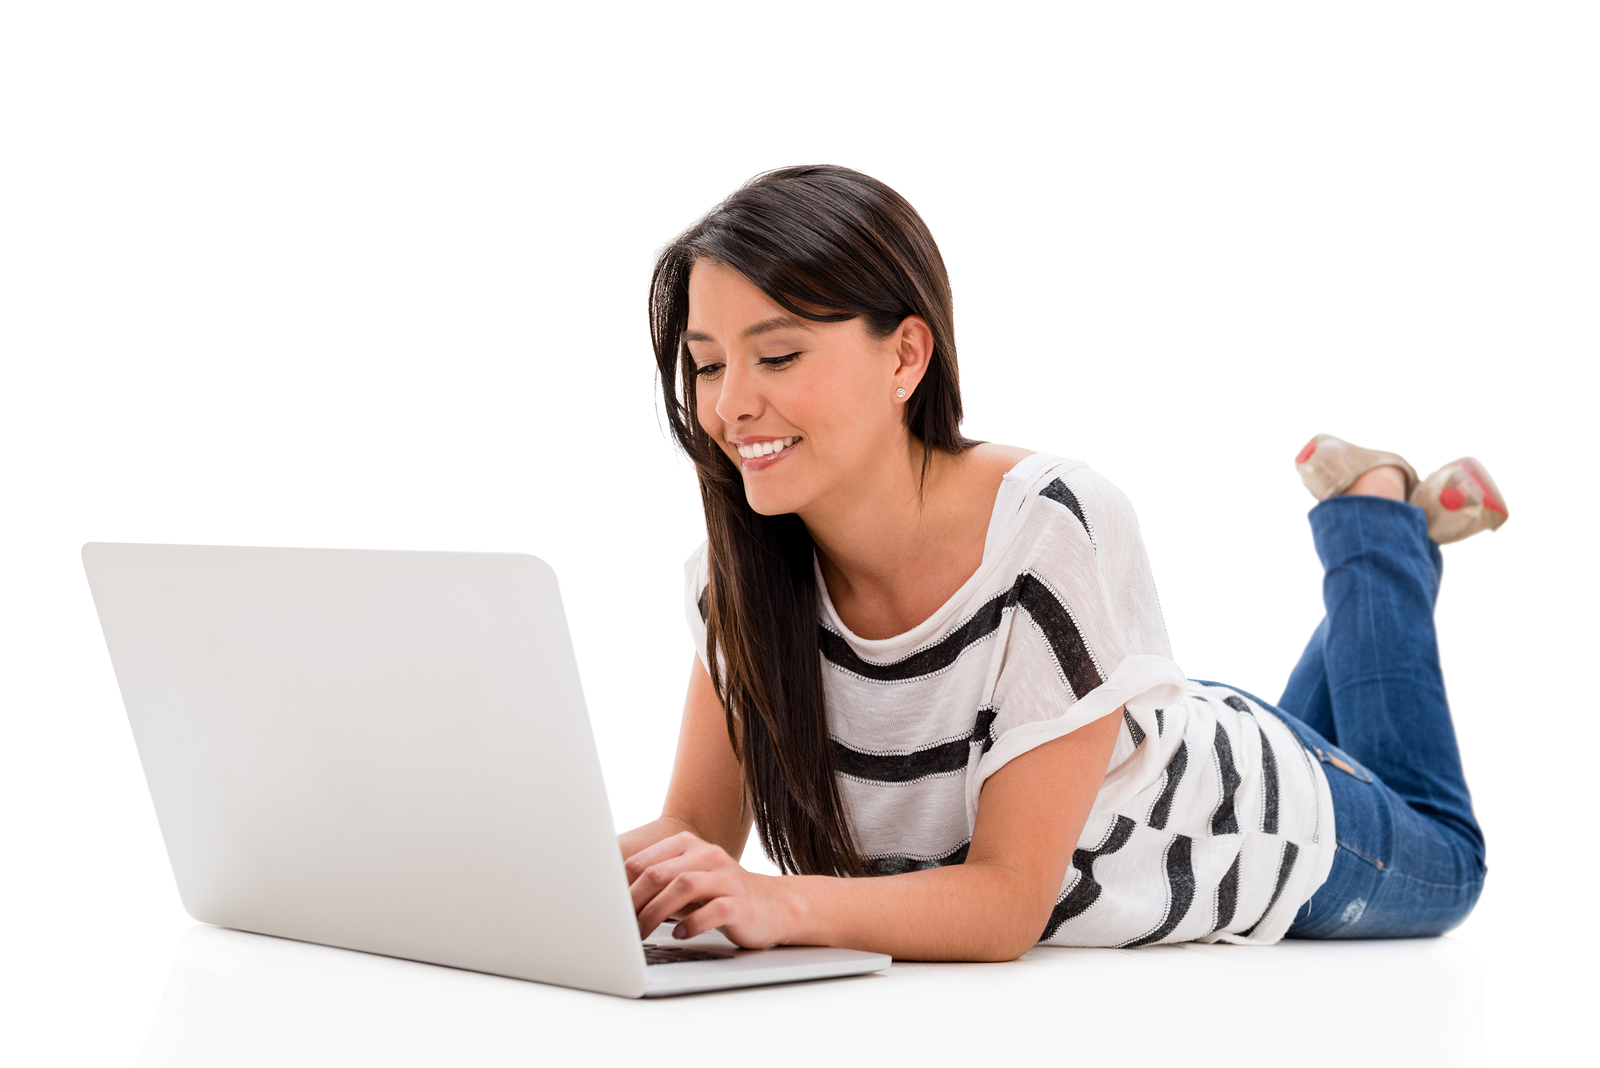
(968, 912)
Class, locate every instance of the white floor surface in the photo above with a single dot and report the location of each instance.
(245, 999)
(171, 994)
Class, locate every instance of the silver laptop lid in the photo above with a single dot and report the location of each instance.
(385, 751)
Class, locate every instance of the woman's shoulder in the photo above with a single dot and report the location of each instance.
(1058, 494)
(1012, 463)
(996, 458)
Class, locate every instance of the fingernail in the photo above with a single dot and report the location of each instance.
(679, 932)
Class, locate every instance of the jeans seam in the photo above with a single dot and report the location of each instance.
(1375, 676)
(1392, 873)
(1429, 882)
(1368, 857)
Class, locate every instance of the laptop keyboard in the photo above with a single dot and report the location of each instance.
(654, 954)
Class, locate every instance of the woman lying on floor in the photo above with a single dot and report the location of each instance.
(942, 662)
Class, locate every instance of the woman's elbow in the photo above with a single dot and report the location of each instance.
(1009, 944)
(1002, 951)
(1015, 928)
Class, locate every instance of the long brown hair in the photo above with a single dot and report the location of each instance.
(828, 244)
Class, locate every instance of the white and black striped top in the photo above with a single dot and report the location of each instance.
(1213, 824)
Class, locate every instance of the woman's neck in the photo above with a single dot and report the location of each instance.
(892, 555)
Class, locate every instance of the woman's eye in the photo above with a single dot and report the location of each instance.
(779, 361)
(708, 371)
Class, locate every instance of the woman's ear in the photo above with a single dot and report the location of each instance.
(913, 348)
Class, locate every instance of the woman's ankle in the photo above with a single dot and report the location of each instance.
(1385, 481)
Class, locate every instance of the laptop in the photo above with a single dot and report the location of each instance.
(389, 752)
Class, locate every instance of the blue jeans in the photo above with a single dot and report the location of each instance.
(1367, 700)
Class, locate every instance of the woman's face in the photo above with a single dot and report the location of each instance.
(803, 409)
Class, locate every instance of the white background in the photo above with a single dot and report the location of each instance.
(375, 277)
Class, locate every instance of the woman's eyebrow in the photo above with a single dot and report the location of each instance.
(765, 326)
(777, 322)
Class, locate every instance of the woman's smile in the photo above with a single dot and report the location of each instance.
(758, 454)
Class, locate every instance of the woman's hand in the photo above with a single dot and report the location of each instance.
(700, 884)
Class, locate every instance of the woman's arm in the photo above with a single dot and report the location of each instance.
(993, 907)
(705, 797)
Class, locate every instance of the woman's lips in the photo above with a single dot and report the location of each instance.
(761, 463)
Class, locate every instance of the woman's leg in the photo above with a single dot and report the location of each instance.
(1410, 857)
(1307, 695)
(1380, 653)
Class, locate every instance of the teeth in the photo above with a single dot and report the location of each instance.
(766, 448)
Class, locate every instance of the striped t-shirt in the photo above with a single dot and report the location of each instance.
(1213, 824)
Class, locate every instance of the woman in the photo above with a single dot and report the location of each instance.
(942, 662)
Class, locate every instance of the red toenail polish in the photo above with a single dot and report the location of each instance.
(1451, 498)
(1305, 453)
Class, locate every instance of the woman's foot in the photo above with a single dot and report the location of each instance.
(1329, 466)
(1460, 499)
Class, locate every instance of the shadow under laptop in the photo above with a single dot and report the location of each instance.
(245, 999)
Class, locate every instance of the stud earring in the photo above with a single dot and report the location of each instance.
(901, 392)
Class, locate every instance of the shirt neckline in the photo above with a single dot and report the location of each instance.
(1036, 463)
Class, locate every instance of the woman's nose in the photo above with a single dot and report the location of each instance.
(739, 401)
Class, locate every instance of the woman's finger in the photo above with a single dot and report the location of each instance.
(717, 912)
(698, 856)
(671, 846)
(687, 892)
(657, 877)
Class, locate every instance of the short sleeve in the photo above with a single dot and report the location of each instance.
(695, 579)
(1086, 634)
